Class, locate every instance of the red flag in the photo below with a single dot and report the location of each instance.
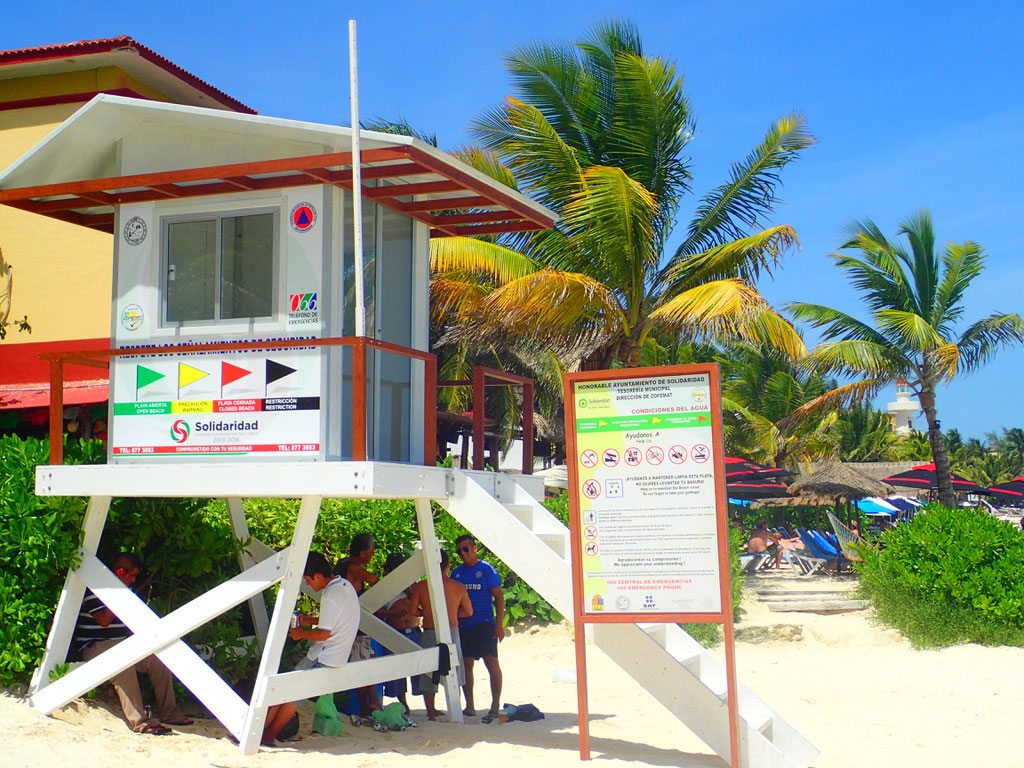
(230, 373)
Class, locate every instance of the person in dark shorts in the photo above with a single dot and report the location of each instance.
(480, 633)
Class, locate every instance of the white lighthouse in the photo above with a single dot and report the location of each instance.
(901, 412)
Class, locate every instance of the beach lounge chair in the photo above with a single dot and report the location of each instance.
(819, 547)
(845, 538)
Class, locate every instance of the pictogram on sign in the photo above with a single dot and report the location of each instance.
(592, 489)
(303, 217)
(700, 453)
(588, 459)
(591, 548)
(633, 456)
(655, 455)
(590, 532)
(610, 457)
(677, 454)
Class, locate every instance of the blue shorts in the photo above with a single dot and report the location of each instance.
(396, 688)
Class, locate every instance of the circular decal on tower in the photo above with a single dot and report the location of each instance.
(135, 231)
(131, 317)
(303, 217)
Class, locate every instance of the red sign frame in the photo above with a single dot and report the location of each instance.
(580, 616)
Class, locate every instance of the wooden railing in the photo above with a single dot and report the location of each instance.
(100, 358)
(490, 377)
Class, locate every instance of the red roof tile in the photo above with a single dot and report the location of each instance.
(86, 47)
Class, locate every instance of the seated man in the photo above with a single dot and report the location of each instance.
(764, 541)
(98, 629)
(458, 606)
(339, 616)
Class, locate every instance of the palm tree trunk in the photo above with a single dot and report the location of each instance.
(938, 443)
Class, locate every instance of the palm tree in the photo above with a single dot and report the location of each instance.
(916, 301)
(761, 391)
(863, 434)
(598, 132)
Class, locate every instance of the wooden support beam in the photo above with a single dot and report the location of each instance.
(70, 601)
(305, 523)
(435, 586)
(403, 190)
(448, 203)
(246, 560)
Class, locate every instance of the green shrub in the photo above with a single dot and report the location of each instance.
(950, 576)
(39, 544)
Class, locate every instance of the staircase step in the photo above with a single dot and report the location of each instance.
(522, 512)
(559, 542)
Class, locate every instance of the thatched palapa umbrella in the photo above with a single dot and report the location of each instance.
(835, 481)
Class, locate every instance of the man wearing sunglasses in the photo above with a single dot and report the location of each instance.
(480, 633)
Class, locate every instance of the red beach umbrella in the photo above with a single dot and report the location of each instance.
(1011, 491)
(925, 477)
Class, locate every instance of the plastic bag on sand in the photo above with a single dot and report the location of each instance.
(392, 716)
(326, 720)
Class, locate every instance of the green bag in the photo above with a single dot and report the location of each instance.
(326, 720)
(392, 716)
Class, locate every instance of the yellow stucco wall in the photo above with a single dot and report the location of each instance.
(62, 272)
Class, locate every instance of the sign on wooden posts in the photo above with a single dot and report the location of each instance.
(648, 505)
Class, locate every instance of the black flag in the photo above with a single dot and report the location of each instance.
(277, 371)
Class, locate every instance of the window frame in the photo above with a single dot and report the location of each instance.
(217, 216)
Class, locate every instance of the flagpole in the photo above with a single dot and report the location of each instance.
(357, 181)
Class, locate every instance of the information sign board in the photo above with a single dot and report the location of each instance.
(647, 499)
(217, 404)
(648, 514)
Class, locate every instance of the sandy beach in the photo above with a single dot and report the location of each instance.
(859, 692)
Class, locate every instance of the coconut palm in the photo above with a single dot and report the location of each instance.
(598, 132)
(761, 391)
(916, 302)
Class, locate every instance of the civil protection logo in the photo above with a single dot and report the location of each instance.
(179, 431)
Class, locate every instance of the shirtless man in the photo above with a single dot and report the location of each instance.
(457, 602)
(764, 541)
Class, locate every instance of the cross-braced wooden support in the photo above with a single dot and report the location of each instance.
(263, 567)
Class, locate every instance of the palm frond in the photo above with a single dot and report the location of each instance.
(961, 264)
(469, 256)
(858, 357)
(535, 152)
(840, 397)
(744, 258)
(613, 215)
(836, 323)
(908, 329)
(549, 302)
(723, 309)
(983, 339)
(731, 210)
(488, 163)
(453, 301)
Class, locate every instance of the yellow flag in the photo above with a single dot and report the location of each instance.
(188, 375)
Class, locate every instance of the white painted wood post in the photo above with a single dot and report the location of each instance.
(432, 561)
(70, 602)
(305, 524)
(257, 606)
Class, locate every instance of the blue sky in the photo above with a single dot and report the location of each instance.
(914, 104)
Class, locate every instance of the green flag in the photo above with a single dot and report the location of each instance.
(146, 376)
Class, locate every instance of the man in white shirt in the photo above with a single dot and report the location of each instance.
(339, 616)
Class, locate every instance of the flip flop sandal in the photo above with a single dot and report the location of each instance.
(186, 721)
(155, 729)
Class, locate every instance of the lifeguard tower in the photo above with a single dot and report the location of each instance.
(236, 373)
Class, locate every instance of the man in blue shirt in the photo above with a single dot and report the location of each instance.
(480, 633)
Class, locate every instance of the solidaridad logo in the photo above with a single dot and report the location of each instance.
(179, 431)
(583, 402)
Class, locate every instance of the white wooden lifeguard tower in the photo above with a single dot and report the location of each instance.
(235, 373)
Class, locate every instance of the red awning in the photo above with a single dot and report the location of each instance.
(38, 395)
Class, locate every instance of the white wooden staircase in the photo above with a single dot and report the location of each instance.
(663, 658)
